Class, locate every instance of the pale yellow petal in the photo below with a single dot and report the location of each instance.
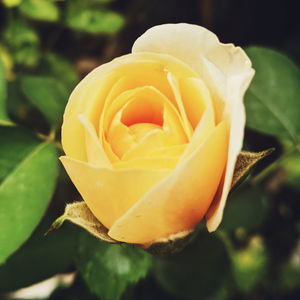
(172, 151)
(180, 200)
(89, 96)
(158, 162)
(179, 101)
(196, 100)
(110, 193)
(95, 152)
(227, 72)
(135, 107)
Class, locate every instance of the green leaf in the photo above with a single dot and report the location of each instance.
(47, 94)
(197, 272)
(94, 21)
(43, 10)
(108, 269)
(58, 67)
(23, 42)
(4, 120)
(245, 209)
(272, 101)
(11, 3)
(291, 166)
(7, 62)
(51, 255)
(289, 276)
(27, 180)
(249, 264)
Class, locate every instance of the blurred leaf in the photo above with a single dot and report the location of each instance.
(56, 66)
(11, 3)
(289, 276)
(4, 120)
(51, 255)
(94, 21)
(7, 62)
(249, 264)
(23, 42)
(18, 107)
(292, 167)
(18, 33)
(102, 1)
(246, 208)
(272, 101)
(27, 55)
(28, 170)
(197, 272)
(108, 269)
(43, 10)
(47, 94)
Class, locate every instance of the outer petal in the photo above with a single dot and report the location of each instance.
(110, 193)
(227, 72)
(179, 201)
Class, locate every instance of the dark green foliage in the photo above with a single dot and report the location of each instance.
(198, 271)
(109, 269)
(28, 175)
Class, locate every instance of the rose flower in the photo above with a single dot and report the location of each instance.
(151, 138)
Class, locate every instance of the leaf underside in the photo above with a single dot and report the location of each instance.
(245, 161)
(78, 213)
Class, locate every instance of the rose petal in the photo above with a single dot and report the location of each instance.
(227, 72)
(94, 150)
(180, 200)
(161, 162)
(173, 151)
(179, 101)
(125, 141)
(89, 96)
(196, 100)
(110, 193)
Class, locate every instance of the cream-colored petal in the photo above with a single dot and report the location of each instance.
(227, 72)
(199, 48)
(180, 200)
(94, 150)
(215, 212)
(110, 193)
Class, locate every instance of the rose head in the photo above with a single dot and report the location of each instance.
(151, 138)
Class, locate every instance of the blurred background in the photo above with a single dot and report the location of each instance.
(46, 47)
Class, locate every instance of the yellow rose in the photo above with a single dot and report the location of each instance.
(151, 138)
